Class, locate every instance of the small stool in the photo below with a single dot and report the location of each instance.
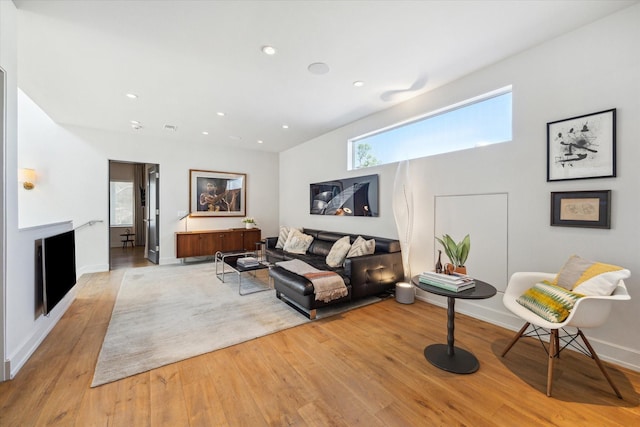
(405, 293)
(126, 239)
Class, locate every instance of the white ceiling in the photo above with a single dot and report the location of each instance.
(188, 60)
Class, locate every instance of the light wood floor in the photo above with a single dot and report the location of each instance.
(128, 258)
(362, 368)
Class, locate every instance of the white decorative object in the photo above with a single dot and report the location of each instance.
(249, 222)
(403, 212)
(405, 293)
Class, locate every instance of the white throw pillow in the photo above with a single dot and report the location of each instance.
(602, 284)
(338, 252)
(362, 247)
(297, 242)
(590, 278)
(284, 235)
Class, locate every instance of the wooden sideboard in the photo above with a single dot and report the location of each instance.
(208, 242)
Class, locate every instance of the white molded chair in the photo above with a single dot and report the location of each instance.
(588, 312)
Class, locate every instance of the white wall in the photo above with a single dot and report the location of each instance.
(592, 69)
(8, 215)
(73, 185)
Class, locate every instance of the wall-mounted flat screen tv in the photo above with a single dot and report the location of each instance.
(56, 267)
(349, 197)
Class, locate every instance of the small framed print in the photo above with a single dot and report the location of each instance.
(591, 209)
(582, 147)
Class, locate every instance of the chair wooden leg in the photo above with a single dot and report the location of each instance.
(599, 363)
(515, 338)
(553, 349)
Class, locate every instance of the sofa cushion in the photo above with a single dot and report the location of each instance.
(338, 252)
(283, 235)
(297, 242)
(320, 248)
(331, 236)
(362, 247)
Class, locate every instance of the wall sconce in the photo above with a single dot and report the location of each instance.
(28, 178)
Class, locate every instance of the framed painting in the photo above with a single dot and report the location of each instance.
(217, 193)
(345, 197)
(591, 209)
(582, 147)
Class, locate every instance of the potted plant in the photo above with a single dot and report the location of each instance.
(456, 252)
(249, 222)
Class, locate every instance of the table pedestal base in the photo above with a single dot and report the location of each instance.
(460, 362)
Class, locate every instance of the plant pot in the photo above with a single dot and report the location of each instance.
(248, 225)
(461, 270)
(449, 268)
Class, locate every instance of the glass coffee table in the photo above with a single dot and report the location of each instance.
(229, 260)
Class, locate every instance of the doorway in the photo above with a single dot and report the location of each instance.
(133, 202)
(4, 371)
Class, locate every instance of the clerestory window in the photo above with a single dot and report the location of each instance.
(476, 122)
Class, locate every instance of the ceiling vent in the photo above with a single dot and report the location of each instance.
(172, 128)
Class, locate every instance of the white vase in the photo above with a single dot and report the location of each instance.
(248, 225)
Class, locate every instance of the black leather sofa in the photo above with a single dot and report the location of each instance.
(363, 275)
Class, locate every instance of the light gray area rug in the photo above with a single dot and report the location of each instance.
(165, 314)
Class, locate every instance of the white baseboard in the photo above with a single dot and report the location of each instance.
(97, 268)
(607, 351)
(44, 325)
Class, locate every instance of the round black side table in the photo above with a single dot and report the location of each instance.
(447, 356)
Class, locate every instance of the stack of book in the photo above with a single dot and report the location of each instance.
(454, 282)
(248, 261)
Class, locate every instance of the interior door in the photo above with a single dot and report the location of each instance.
(153, 230)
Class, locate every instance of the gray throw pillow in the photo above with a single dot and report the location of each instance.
(297, 242)
(362, 247)
(338, 252)
(284, 235)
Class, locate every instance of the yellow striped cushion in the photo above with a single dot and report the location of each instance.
(590, 278)
(552, 303)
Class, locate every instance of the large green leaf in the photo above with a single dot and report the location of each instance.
(449, 247)
(465, 247)
(456, 252)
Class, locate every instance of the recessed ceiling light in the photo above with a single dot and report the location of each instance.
(268, 50)
(285, 126)
(220, 113)
(135, 122)
(260, 141)
(318, 68)
(205, 132)
(358, 83)
(132, 95)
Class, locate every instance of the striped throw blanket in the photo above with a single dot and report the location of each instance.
(327, 285)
